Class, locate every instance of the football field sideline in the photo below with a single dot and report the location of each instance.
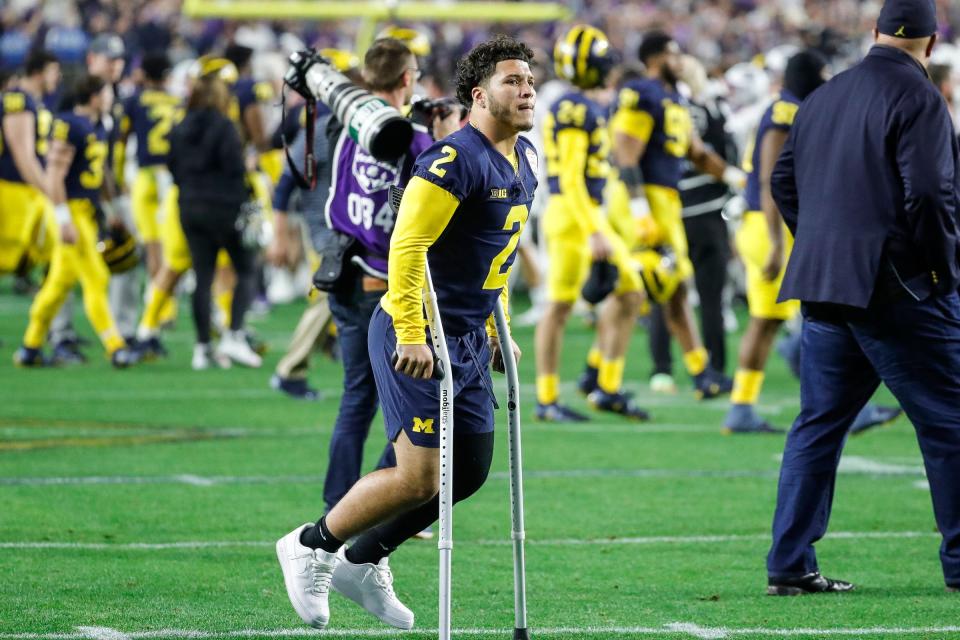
(672, 630)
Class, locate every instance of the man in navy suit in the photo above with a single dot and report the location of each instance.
(868, 185)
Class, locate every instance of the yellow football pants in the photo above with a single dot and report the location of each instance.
(72, 263)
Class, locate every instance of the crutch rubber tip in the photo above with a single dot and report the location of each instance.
(521, 634)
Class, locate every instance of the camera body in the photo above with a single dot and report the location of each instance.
(370, 121)
(425, 110)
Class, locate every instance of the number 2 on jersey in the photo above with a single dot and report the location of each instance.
(497, 279)
(450, 154)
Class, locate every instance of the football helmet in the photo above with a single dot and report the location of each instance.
(658, 270)
(583, 56)
(208, 65)
(119, 250)
(417, 42)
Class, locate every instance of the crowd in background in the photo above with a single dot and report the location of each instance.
(719, 32)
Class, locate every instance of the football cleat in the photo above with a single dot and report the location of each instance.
(711, 384)
(371, 587)
(874, 416)
(619, 403)
(743, 418)
(587, 383)
(810, 583)
(152, 349)
(556, 412)
(30, 358)
(68, 352)
(758, 427)
(294, 388)
(307, 574)
(124, 357)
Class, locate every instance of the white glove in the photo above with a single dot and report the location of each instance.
(735, 178)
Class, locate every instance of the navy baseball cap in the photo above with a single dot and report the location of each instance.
(908, 18)
(109, 44)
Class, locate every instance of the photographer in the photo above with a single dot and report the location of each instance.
(206, 161)
(359, 206)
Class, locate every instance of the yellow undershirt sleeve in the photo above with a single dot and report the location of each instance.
(636, 124)
(573, 146)
(425, 212)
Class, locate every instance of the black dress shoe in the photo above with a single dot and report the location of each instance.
(810, 583)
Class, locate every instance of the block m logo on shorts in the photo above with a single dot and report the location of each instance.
(423, 426)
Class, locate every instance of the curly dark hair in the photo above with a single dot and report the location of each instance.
(478, 66)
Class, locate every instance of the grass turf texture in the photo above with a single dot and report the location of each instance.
(162, 454)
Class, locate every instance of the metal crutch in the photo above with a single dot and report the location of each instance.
(445, 540)
(518, 534)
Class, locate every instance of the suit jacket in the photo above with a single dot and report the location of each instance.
(868, 185)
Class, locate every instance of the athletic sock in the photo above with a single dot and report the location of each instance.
(696, 361)
(548, 388)
(225, 305)
(319, 537)
(746, 386)
(594, 358)
(368, 549)
(610, 378)
(150, 322)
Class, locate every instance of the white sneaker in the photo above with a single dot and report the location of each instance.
(371, 587)
(233, 345)
(205, 358)
(663, 383)
(307, 574)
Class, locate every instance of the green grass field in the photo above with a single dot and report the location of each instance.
(145, 504)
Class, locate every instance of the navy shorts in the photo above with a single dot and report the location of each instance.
(413, 405)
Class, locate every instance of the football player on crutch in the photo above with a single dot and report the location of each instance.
(464, 208)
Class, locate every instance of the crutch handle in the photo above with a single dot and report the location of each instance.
(438, 372)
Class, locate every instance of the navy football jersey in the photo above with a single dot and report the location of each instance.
(651, 112)
(89, 142)
(247, 91)
(17, 101)
(471, 259)
(779, 115)
(573, 110)
(150, 115)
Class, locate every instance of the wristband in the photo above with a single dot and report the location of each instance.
(62, 213)
(639, 207)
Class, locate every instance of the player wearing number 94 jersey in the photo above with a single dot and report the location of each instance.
(75, 172)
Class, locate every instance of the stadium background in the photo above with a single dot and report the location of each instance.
(148, 501)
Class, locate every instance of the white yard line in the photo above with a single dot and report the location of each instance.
(852, 465)
(675, 629)
(103, 633)
(563, 542)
